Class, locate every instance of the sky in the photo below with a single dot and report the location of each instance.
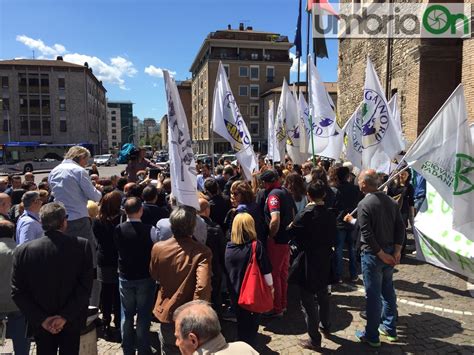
(128, 43)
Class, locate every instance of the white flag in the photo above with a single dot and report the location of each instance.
(354, 138)
(321, 110)
(182, 164)
(273, 153)
(230, 125)
(294, 133)
(379, 141)
(397, 120)
(444, 155)
(335, 144)
(303, 114)
(280, 121)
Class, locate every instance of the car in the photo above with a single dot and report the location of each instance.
(105, 159)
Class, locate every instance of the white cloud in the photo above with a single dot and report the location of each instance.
(38, 44)
(294, 67)
(157, 72)
(110, 73)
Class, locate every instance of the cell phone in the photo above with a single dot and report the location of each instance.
(153, 174)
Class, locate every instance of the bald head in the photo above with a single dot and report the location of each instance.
(5, 203)
(368, 181)
(197, 318)
(29, 177)
(204, 209)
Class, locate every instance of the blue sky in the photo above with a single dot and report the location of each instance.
(121, 38)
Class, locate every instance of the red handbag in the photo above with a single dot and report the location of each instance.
(255, 295)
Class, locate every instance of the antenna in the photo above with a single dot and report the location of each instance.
(33, 54)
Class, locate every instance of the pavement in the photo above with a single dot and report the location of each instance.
(436, 316)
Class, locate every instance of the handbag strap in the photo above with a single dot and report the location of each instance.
(253, 256)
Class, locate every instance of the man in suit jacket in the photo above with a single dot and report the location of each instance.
(182, 266)
(51, 283)
(137, 289)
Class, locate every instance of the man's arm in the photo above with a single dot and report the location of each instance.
(273, 204)
(21, 293)
(86, 186)
(203, 277)
(80, 296)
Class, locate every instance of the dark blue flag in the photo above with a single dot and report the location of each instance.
(297, 40)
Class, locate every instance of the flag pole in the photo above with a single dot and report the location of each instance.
(298, 34)
(310, 111)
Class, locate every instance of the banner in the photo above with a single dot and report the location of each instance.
(303, 114)
(397, 120)
(182, 164)
(444, 155)
(280, 121)
(272, 154)
(294, 137)
(230, 125)
(436, 242)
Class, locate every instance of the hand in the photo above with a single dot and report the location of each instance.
(386, 258)
(273, 292)
(52, 325)
(348, 218)
(58, 324)
(397, 256)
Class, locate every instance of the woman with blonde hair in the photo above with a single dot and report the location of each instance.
(237, 256)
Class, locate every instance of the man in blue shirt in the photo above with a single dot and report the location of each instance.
(28, 227)
(71, 185)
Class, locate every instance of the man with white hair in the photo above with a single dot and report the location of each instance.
(71, 185)
(198, 332)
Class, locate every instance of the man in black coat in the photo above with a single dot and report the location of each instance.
(314, 231)
(218, 203)
(51, 284)
(152, 213)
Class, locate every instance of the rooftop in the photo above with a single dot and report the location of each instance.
(41, 62)
(126, 102)
(331, 88)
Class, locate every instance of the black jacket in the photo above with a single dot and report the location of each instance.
(51, 276)
(153, 213)
(347, 198)
(314, 231)
(220, 205)
(107, 255)
(133, 242)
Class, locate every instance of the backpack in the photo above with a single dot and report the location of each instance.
(125, 152)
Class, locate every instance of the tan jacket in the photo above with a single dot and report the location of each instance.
(182, 266)
(219, 346)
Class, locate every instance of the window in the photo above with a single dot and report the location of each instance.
(44, 83)
(4, 81)
(254, 56)
(114, 131)
(33, 84)
(270, 74)
(254, 72)
(243, 90)
(114, 137)
(62, 105)
(254, 128)
(6, 104)
(45, 107)
(6, 125)
(113, 118)
(243, 72)
(24, 125)
(254, 91)
(244, 109)
(61, 83)
(62, 126)
(227, 70)
(254, 110)
(113, 112)
(35, 126)
(46, 126)
(114, 125)
(34, 106)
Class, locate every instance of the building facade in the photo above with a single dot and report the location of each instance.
(164, 132)
(52, 101)
(114, 127)
(185, 94)
(424, 73)
(255, 62)
(123, 110)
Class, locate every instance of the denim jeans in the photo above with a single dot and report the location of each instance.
(316, 314)
(136, 298)
(381, 301)
(343, 236)
(16, 331)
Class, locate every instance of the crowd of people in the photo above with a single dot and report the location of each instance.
(124, 244)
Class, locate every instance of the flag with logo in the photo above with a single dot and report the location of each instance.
(354, 137)
(444, 155)
(397, 121)
(321, 110)
(294, 135)
(376, 129)
(230, 125)
(280, 121)
(272, 143)
(182, 163)
(303, 114)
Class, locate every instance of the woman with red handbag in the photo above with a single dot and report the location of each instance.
(250, 279)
